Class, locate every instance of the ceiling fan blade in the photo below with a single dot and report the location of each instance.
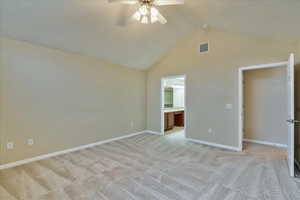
(161, 19)
(123, 1)
(168, 2)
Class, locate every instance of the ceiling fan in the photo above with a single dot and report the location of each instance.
(147, 12)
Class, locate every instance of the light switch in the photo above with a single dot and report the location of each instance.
(10, 145)
(30, 142)
(228, 106)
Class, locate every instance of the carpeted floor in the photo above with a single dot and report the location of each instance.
(176, 129)
(154, 167)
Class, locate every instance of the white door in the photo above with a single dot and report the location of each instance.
(291, 114)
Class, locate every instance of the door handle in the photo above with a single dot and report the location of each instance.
(293, 121)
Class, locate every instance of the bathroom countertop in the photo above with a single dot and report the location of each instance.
(166, 110)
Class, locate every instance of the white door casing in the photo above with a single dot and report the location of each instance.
(291, 113)
(290, 98)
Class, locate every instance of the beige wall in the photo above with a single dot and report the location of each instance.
(211, 81)
(265, 97)
(64, 100)
(297, 106)
(298, 52)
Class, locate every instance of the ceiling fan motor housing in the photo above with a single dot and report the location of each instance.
(147, 2)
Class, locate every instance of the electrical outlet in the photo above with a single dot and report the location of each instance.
(210, 130)
(131, 124)
(10, 145)
(30, 142)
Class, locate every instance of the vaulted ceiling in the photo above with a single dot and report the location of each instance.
(90, 27)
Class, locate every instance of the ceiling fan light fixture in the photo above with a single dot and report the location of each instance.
(154, 11)
(137, 16)
(144, 20)
(147, 13)
(143, 10)
(154, 19)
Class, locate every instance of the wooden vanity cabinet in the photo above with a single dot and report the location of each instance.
(174, 119)
(169, 121)
(179, 118)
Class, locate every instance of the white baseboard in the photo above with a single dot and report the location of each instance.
(265, 143)
(214, 144)
(45, 156)
(153, 132)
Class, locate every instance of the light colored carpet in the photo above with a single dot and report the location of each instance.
(176, 129)
(154, 167)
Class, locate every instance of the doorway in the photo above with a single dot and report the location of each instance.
(265, 106)
(173, 106)
(290, 119)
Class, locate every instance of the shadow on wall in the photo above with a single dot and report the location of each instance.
(297, 107)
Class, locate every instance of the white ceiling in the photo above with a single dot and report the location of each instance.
(89, 27)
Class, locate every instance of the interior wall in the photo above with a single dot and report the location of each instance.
(211, 81)
(64, 100)
(298, 52)
(265, 104)
(297, 100)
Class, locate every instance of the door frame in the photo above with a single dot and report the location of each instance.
(162, 100)
(241, 94)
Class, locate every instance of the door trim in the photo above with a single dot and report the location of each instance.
(241, 109)
(241, 92)
(291, 110)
